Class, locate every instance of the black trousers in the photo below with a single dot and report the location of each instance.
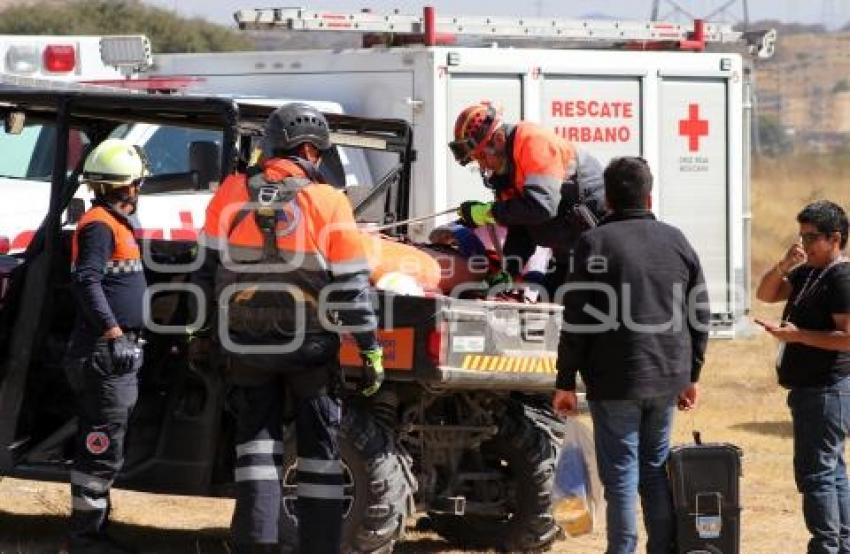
(104, 400)
(259, 456)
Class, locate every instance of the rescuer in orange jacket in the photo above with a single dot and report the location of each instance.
(546, 190)
(288, 269)
(105, 352)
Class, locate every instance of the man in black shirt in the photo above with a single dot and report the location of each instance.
(636, 327)
(814, 364)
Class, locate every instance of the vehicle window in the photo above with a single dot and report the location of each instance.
(385, 167)
(17, 152)
(29, 155)
(342, 166)
(120, 131)
(168, 148)
(354, 163)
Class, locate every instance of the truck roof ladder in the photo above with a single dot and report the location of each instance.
(431, 30)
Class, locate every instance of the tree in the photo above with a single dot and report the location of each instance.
(167, 31)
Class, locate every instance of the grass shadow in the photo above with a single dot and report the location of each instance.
(773, 428)
(45, 533)
(415, 545)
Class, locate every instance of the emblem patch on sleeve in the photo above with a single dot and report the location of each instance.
(97, 442)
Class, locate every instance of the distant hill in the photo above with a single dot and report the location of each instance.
(168, 31)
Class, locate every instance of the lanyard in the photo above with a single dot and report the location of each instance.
(810, 286)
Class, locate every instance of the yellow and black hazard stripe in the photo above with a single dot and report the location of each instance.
(510, 364)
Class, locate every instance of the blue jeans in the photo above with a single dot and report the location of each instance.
(821, 419)
(632, 445)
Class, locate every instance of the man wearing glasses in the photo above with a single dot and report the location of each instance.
(813, 363)
(105, 351)
(546, 191)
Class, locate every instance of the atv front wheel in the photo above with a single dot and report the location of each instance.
(524, 454)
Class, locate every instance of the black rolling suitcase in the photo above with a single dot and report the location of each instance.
(704, 479)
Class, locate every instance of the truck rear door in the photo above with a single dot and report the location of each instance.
(469, 88)
(600, 113)
(694, 168)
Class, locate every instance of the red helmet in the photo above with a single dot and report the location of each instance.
(473, 129)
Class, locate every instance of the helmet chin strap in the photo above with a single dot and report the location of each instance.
(118, 202)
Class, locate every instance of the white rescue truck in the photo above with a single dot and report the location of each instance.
(644, 89)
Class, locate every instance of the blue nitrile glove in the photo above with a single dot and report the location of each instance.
(473, 213)
(373, 371)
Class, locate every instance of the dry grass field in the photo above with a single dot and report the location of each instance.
(740, 404)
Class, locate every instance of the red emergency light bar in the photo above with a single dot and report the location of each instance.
(149, 84)
(59, 58)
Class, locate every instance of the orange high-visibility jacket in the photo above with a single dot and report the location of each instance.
(125, 251)
(107, 272)
(317, 245)
(547, 177)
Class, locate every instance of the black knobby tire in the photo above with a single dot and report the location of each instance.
(528, 448)
(378, 487)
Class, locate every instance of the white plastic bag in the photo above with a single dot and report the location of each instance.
(576, 491)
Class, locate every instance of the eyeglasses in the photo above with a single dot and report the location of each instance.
(809, 238)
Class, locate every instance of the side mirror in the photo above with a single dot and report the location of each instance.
(205, 161)
(74, 212)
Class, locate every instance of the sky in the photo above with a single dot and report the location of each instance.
(834, 13)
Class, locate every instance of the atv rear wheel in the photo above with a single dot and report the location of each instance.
(378, 487)
(524, 452)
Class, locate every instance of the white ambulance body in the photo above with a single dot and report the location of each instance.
(686, 113)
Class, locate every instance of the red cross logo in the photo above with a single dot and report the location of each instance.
(693, 127)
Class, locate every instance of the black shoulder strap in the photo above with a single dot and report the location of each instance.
(267, 199)
(250, 173)
(309, 169)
